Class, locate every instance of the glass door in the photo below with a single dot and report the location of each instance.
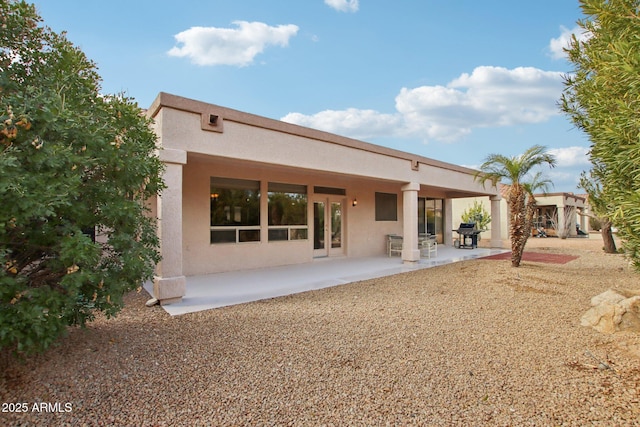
(336, 228)
(319, 229)
(430, 217)
(327, 228)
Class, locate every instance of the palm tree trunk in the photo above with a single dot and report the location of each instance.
(519, 233)
(532, 205)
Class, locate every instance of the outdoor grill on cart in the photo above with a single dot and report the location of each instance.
(467, 236)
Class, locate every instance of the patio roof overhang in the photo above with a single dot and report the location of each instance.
(206, 131)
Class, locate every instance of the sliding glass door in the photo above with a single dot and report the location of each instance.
(430, 218)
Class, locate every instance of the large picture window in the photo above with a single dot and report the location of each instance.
(287, 212)
(235, 210)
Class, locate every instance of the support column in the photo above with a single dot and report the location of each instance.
(560, 226)
(447, 232)
(496, 222)
(169, 284)
(410, 250)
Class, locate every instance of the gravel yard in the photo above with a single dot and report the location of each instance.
(472, 343)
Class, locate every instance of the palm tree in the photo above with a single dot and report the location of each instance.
(515, 169)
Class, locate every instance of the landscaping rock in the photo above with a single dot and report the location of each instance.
(614, 311)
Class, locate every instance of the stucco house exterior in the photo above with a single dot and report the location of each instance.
(244, 191)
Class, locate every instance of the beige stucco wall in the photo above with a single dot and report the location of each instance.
(256, 144)
(363, 235)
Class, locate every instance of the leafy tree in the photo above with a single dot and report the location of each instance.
(478, 215)
(73, 164)
(515, 169)
(602, 98)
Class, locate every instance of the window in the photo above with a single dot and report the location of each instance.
(287, 212)
(386, 207)
(235, 210)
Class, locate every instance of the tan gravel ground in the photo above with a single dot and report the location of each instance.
(471, 343)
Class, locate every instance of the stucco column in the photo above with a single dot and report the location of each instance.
(410, 250)
(169, 284)
(560, 226)
(496, 222)
(583, 220)
(447, 232)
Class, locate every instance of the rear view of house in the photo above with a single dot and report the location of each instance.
(245, 191)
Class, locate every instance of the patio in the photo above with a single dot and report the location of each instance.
(237, 287)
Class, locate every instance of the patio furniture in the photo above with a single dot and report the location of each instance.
(428, 246)
(394, 244)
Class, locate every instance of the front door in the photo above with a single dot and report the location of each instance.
(327, 227)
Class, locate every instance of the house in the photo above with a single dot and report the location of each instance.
(557, 214)
(245, 191)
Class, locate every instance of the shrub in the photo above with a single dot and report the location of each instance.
(73, 163)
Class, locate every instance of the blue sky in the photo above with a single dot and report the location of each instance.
(450, 80)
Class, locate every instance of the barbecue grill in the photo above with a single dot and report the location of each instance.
(467, 236)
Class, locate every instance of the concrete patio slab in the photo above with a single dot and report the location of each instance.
(237, 287)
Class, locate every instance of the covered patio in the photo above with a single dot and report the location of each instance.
(249, 194)
(236, 287)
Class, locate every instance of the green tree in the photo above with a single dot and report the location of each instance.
(478, 215)
(602, 98)
(515, 169)
(73, 163)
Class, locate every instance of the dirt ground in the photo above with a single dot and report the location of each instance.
(472, 343)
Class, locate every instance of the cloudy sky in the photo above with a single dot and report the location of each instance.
(451, 80)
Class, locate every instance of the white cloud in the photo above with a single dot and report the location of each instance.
(230, 46)
(570, 163)
(488, 97)
(355, 123)
(571, 156)
(564, 180)
(557, 45)
(343, 5)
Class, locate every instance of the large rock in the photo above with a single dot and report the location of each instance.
(614, 311)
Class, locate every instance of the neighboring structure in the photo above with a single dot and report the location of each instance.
(557, 215)
(561, 214)
(245, 191)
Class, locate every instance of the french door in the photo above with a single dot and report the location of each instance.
(328, 235)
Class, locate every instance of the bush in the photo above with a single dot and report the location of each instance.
(478, 215)
(73, 164)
